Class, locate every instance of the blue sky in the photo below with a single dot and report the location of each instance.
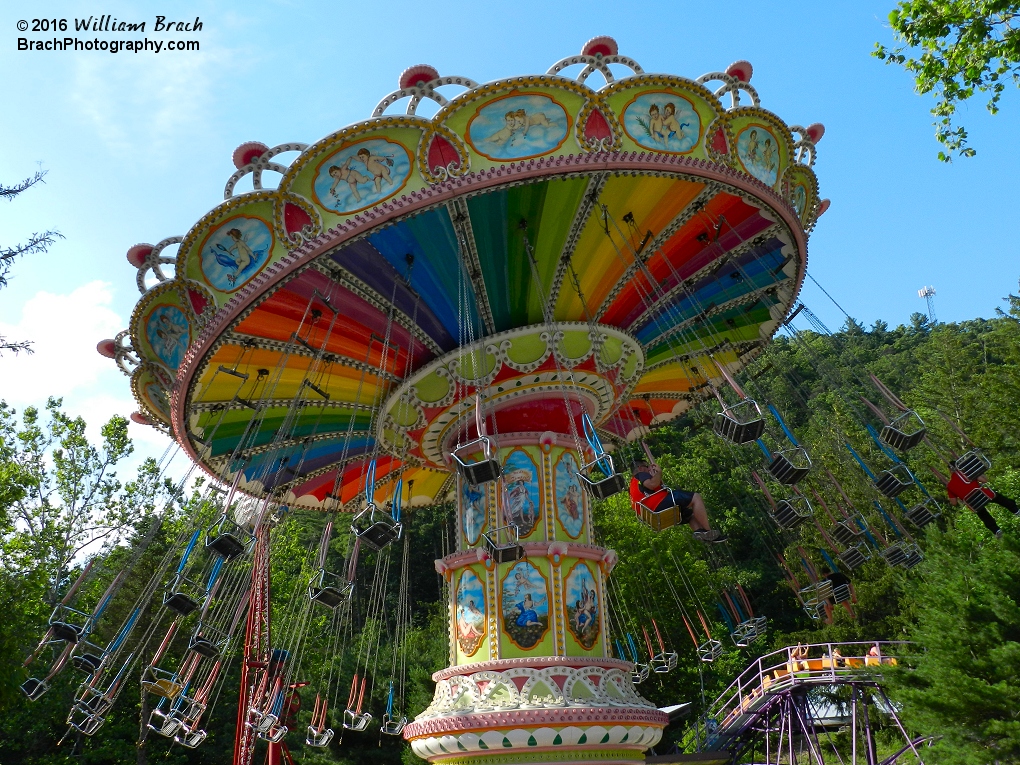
(138, 146)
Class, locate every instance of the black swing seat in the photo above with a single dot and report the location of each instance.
(790, 466)
(913, 556)
(477, 471)
(329, 589)
(66, 631)
(905, 432)
(392, 726)
(790, 513)
(973, 465)
(976, 499)
(601, 488)
(846, 533)
(710, 651)
(204, 646)
(640, 673)
(923, 513)
(227, 539)
(183, 596)
(356, 721)
(894, 481)
(376, 528)
(34, 688)
(741, 423)
(189, 738)
(319, 739)
(87, 661)
(84, 720)
(853, 557)
(894, 554)
(503, 544)
(662, 663)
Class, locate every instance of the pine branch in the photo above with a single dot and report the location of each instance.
(9, 192)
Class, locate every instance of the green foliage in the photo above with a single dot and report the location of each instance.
(954, 49)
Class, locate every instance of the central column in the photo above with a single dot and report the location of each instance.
(531, 678)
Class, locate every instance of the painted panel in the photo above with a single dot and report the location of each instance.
(582, 605)
(523, 502)
(758, 152)
(518, 126)
(663, 121)
(471, 609)
(235, 252)
(361, 174)
(474, 509)
(569, 496)
(524, 600)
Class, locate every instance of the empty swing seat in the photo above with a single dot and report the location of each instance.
(87, 658)
(905, 432)
(748, 631)
(204, 646)
(664, 662)
(84, 720)
(741, 423)
(318, 738)
(33, 688)
(503, 544)
(164, 723)
(161, 682)
(815, 597)
(68, 624)
(189, 738)
(894, 481)
(183, 596)
(227, 539)
(894, 554)
(973, 465)
(923, 513)
(790, 466)
(853, 557)
(790, 513)
(640, 673)
(329, 589)
(392, 726)
(375, 528)
(355, 721)
(477, 471)
(710, 651)
(275, 734)
(846, 533)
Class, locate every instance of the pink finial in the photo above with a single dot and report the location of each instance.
(107, 348)
(140, 418)
(247, 152)
(815, 131)
(741, 70)
(823, 206)
(419, 74)
(136, 255)
(600, 46)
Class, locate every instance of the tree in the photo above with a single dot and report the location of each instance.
(37, 244)
(955, 48)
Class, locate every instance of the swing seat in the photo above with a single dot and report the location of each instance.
(790, 466)
(912, 556)
(66, 631)
(601, 488)
(658, 520)
(841, 594)
(275, 734)
(84, 720)
(161, 682)
(261, 722)
(852, 557)
(923, 513)
(95, 701)
(973, 465)
(894, 481)
(976, 499)
(190, 738)
(790, 513)
(183, 596)
(204, 646)
(477, 472)
(846, 533)
(375, 528)
(356, 721)
(748, 631)
(34, 688)
(87, 657)
(639, 674)
(317, 738)
(163, 723)
(329, 589)
(391, 726)
(710, 651)
(905, 432)
(503, 544)
(741, 423)
(894, 554)
(227, 539)
(664, 662)
(815, 595)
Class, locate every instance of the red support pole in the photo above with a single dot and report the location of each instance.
(256, 646)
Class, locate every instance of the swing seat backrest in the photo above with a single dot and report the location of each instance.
(790, 466)
(973, 465)
(376, 528)
(477, 471)
(905, 432)
(318, 739)
(852, 557)
(922, 514)
(741, 423)
(34, 688)
(894, 481)
(392, 726)
(355, 721)
(894, 554)
(790, 513)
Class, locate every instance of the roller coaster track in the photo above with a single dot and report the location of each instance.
(767, 714)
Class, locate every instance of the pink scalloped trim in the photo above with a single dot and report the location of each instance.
(536, 662)
(517, 718)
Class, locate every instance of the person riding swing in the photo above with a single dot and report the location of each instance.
(646, 489)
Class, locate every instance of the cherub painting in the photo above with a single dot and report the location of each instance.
(474, 506)
(518, 127)
(361, 175)
(579, 591)
(569, 496)
(521, 502)
(663, 121)
(169, 334)
(758, 151)
(236, 252)
(525, 604)
(470, 612)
